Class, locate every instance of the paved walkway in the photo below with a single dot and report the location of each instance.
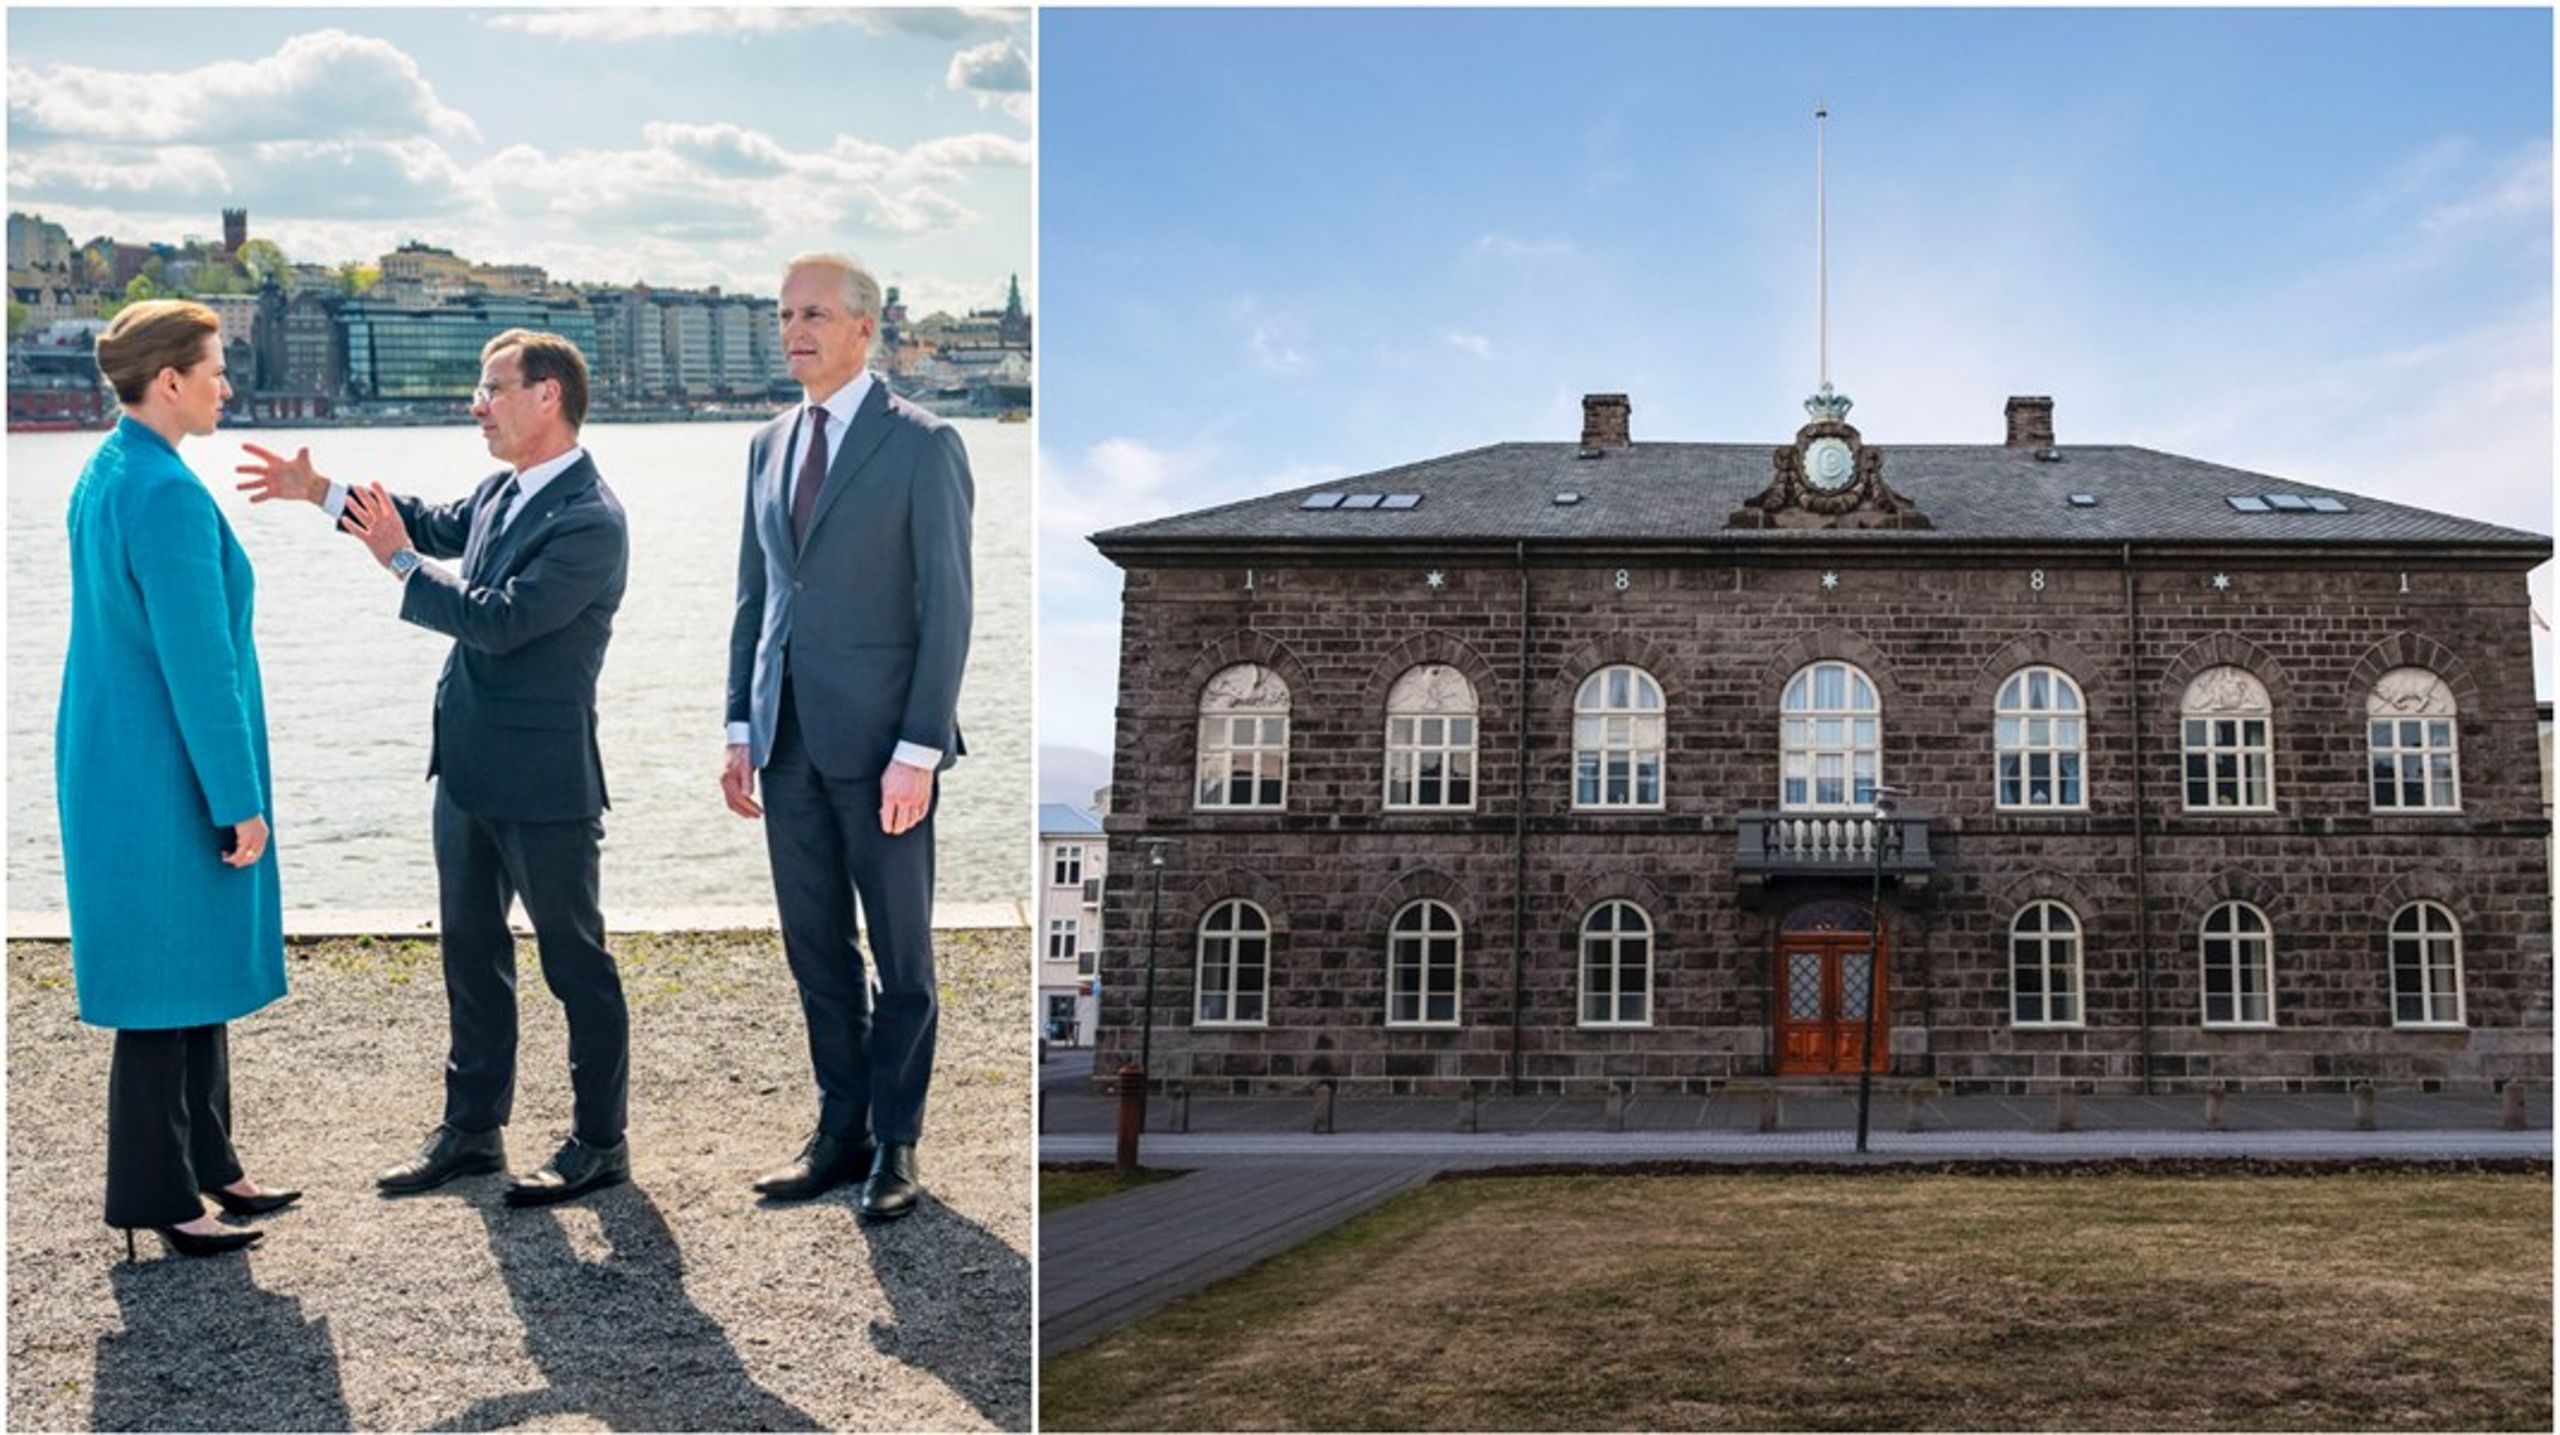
(1262, 1180)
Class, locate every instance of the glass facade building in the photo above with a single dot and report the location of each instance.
(399, 351)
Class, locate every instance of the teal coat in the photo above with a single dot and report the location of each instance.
(160, 743)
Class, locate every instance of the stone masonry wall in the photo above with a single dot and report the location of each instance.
(1722, 638)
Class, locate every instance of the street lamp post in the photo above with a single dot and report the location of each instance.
(1133, 1079)
(1885, 798)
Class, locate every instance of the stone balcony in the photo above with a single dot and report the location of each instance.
(1771, 846)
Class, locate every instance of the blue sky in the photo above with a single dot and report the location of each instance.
(683, 147)
(1280, 246)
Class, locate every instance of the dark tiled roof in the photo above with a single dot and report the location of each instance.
(1683, 492)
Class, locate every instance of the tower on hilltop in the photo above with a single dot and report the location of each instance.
(235, 230)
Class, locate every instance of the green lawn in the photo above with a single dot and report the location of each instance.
(1064, 1186)
(1902, 1301)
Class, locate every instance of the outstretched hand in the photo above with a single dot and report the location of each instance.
(374, 518)
(274, 476)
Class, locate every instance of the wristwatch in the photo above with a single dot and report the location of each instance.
(404, 563)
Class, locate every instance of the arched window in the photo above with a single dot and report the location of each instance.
(2426, 967)
(1244, 739)
(1828, 739)
(1617, 966)
(2225, 722)
(2239, 967)
(2041, 728)
(2044, 966)
(1422, 966)
(2410, 724)
(1431, 740)
(1617, 739)
(1235, 966)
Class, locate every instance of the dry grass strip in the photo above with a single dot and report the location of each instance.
(2354, 1300)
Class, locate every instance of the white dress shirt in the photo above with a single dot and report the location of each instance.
(839, 407)
(529, 481)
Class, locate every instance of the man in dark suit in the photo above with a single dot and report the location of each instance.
(845, 657)
(519, 783)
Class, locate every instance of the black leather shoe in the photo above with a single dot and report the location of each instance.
(188, 1243)
(574, 1171)
(447, 1154)
(824, 1164)
(261, 1204)
(892, 1190)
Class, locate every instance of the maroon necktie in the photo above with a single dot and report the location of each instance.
(813, 474)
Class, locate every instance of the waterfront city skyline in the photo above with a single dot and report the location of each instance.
(704, 149)
(2335, 270)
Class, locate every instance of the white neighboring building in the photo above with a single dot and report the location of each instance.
(1069, 929)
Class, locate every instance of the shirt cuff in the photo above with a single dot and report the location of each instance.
(927, 758)
(336, 503)
(740, 734)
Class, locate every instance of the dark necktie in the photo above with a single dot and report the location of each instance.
(478, 554)
(498, 508)
(813, 474)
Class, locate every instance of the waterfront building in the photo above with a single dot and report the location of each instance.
(736, 319)
(53, 377)
(1069, 927)
(418, 273)
(37, 243)
(631, 349)
(52, 295)
(2006, 766)
(398, 351)
(686, 320)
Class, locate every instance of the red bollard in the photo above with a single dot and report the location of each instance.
(1133, 1116)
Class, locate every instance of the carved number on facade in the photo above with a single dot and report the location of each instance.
(1622, 580)
(2404, 582)
(2035, 580)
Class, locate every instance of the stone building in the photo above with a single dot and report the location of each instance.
(1560, 764)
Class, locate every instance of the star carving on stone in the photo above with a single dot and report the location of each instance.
(1435, 580)
(1830, 581)
(2222, 582)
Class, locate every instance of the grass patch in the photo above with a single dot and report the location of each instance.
(2363, 1300)
(1064, 1186)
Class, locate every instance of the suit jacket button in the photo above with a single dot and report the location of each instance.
(797, 584)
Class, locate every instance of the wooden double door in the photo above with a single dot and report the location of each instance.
(1827, 984)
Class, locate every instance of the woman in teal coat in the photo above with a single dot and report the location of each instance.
(160, 767)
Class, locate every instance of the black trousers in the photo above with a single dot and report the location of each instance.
(481, 867)
(823, 835)
(168, 1124)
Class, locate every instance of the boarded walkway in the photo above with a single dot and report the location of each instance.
(1108, 1262)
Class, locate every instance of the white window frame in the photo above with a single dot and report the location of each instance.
(1416, 948)
(2047, 940)
(1226, 926)
(2218, 696)
(1631, 731)
(2023, 731)
(1064, 930)
(1606, 952)
(2428, 943)
(1803, 748)
(1244, 719)
(1431, 720)
(1066, 865)
(2408, 709)
(2265, 965)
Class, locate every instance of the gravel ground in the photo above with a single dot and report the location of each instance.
(678, 1302)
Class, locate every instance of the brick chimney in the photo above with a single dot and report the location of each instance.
(2030, 421)
(1604, 422)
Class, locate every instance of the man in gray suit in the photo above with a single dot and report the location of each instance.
(852, 628)
(519, 781)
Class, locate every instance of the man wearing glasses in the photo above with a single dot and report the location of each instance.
(520, 788)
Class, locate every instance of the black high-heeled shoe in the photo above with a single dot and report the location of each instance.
(192, 1243)
(261, 1204)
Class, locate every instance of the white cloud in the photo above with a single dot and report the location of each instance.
(2518, 193)
(349, 87)
(996, 67)
(974, 150)
(613, 23)
(1274, 355)
(1505, 246)
(721, 148)
(1476, 344)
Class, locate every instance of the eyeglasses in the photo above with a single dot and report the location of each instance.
(486, 392)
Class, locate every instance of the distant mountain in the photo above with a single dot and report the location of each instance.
(1073, 774)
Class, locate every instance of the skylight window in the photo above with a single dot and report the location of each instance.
(2084, 500)
(2322, 503)
(1360, 500)
(1322, 500)
(2247, 503)
(1401, 500)
(2289, 502)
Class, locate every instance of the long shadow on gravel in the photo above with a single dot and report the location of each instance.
(203, 1348)
(962, 1302)
(618, 1340)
